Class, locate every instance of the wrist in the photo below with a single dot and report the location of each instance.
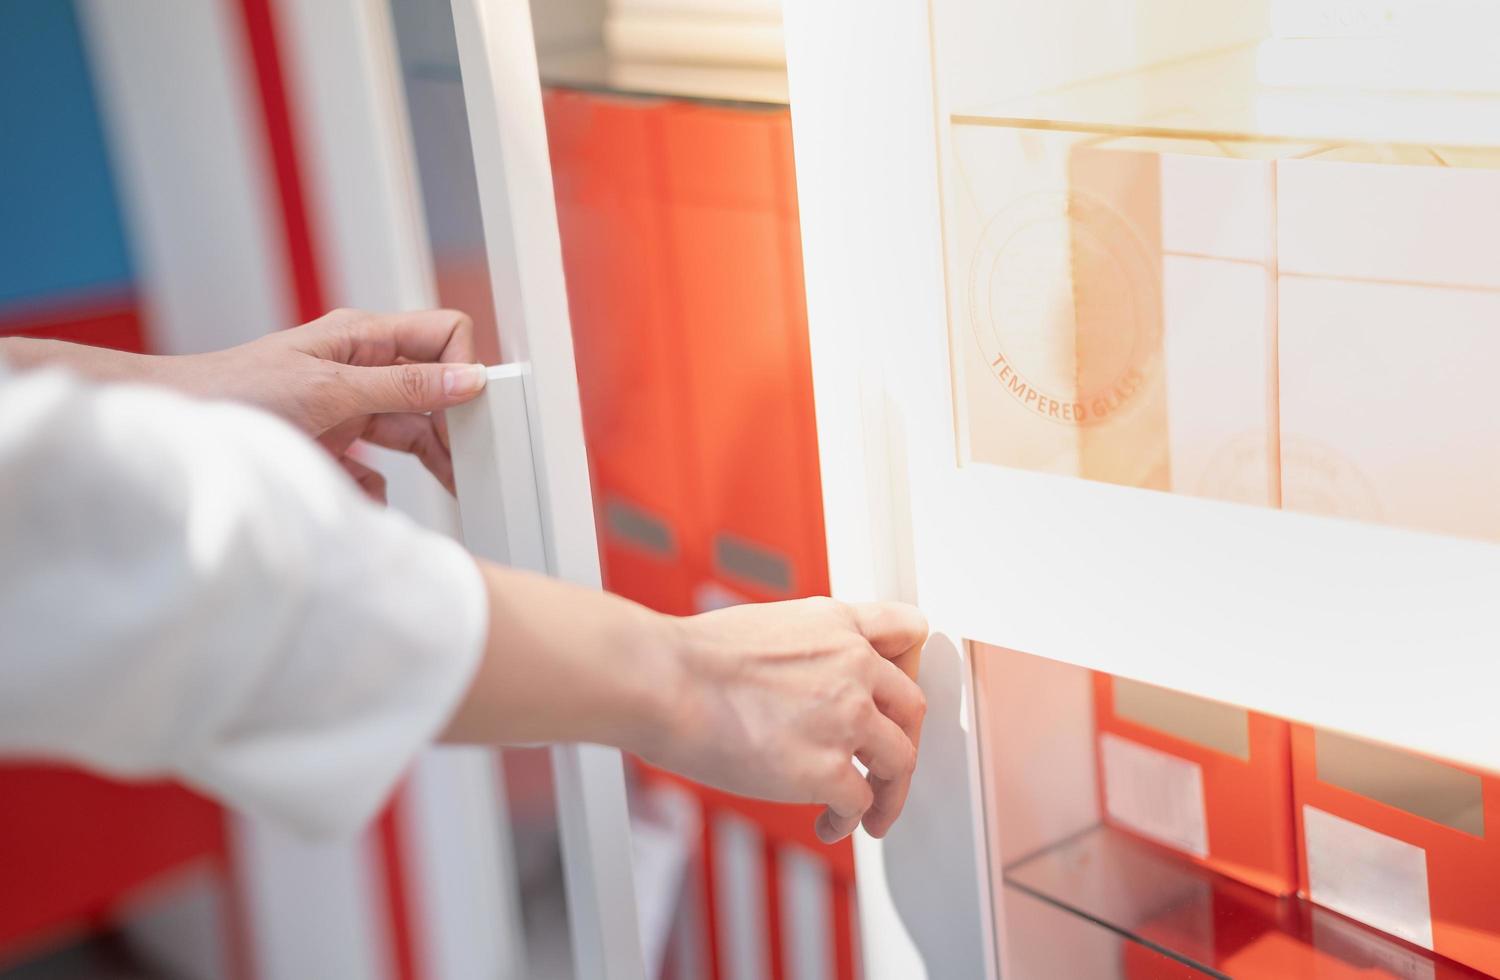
(657, 686)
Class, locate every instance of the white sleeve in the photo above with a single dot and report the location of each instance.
(195, 589)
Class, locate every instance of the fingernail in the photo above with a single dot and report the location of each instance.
(463, 379)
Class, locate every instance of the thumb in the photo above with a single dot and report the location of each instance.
(414, 387)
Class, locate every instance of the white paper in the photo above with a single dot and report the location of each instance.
(1361, 873)
(1157, 795)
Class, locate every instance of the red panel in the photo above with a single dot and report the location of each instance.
(99, 320)
(606, 163)
(738, 293)
(73, 846)
(398, 889)
(1462, 870)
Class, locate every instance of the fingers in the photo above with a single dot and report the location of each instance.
(891, 767)
(887, 743)
(377, 339)
(889, 750)
(411, 387)
(416, 434)
(900, 699)
(847, 796)
(399, 362)
(371, 482)
(886, 750)
(892, 628)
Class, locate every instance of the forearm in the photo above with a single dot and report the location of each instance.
(567, 664)
(95, 363)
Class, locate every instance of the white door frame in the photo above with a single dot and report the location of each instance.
(502, 93)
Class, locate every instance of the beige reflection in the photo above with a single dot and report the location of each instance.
(1281, 324)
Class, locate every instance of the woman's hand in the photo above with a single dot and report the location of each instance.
(777, 698)
(348, 375)
(352, 375)
(772, 701)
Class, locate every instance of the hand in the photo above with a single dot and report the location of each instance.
(773, 701)
(348, 375)
(777, 698)
(352, 375)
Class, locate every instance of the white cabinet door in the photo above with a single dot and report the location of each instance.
(1142, 346)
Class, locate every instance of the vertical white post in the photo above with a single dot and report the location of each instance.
(502, 91)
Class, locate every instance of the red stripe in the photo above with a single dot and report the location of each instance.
(281, 142)
(769, 857)
(397, 888)
(841, 912)
(710, 896)
(107, 318)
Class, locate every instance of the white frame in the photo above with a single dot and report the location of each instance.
(340, 57)
(1378, 632)
(502, 93)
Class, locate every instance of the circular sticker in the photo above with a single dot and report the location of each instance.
(1317, 479)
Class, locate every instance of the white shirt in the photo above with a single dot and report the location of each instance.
(194, 589)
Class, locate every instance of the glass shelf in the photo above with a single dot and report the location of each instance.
(1175, 919)
(1058, 942)
(1222, 95)
(596, 70)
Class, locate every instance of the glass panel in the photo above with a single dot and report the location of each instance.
(1285, 861)
(1237, 250)
(1062, 943)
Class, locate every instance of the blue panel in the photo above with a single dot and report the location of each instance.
(60, 222)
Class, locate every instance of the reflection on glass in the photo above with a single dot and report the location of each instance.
(1061, 943)
(1418, 785)
(1262, 322)
(1244, 251)
(445, 162)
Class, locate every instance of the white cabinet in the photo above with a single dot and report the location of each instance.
(1153, 339)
